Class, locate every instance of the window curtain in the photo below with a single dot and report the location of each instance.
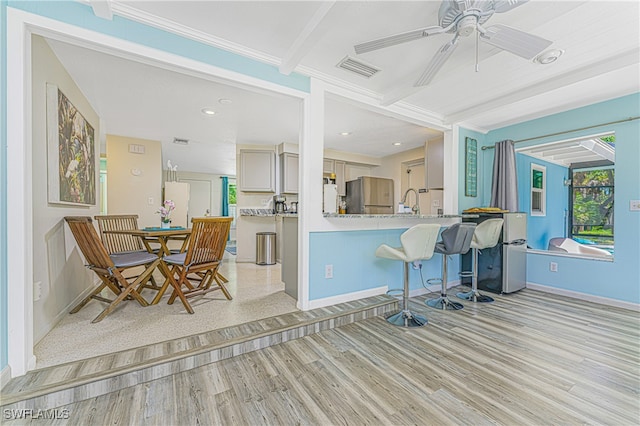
(225, 196)
(504, 187)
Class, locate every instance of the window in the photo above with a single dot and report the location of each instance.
(232, 205)
(538, 190)
(592, 194)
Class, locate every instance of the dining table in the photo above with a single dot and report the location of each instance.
(158, 235)
(162, 236)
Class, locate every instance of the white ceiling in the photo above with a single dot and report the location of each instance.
(601, 40)
(566, 153)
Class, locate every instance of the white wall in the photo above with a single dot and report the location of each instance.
(210, 181)
(134, 181)
(58, 265)
(391, 167)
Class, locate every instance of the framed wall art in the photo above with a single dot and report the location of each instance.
(470, 167)
(71, 158)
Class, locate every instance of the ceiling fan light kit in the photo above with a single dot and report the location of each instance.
(463, 18)
(548, 57)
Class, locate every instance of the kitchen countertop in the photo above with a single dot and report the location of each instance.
(398, 215)
(270, 213)
(265, 213)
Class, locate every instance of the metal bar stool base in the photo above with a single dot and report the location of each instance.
(474, 296)
(444, 303)
(406, 318)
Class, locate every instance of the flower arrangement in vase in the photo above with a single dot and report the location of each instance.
(165, 213)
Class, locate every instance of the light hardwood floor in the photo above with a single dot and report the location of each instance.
(530, 358)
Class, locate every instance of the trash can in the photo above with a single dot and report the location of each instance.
(266, 248)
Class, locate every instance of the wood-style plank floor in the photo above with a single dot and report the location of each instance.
(529, 358)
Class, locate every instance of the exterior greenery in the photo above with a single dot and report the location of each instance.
(593, 203)
(232, 193)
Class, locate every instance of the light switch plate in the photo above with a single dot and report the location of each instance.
(634, 205)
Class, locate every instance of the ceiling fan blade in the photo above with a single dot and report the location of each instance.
(397, 39)
(501, 6)
(437, 62)
(518, 42)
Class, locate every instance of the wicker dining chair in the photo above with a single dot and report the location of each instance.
(119, 243)
(124, 243)
(109, 267)
(203, 257)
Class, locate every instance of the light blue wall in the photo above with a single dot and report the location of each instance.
(3, 186)
(542, 228)
(355, 266)
(619, 279)
(80, 15)
(465, 202)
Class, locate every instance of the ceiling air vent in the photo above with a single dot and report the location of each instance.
(357, 67)
(181, 141)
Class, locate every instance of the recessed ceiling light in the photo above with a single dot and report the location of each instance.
(397, 143)
(548, 57)
(208, 111)
(345, 133)
(224, 101)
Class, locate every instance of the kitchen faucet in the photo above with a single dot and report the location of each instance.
(416, 207)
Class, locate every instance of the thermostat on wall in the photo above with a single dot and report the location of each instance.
(136, 148)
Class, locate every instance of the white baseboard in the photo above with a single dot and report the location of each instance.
(5, 376)
(64, 312)
(342, 298)
(587, 297)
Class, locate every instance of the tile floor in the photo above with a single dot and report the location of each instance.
(256, 290)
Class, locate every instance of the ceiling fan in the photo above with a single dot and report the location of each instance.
(462, 18)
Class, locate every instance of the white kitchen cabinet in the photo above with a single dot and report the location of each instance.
(289, 171)
(341, 177)
(328, 166)
(435, 164)
(257, 171)
(353, 171)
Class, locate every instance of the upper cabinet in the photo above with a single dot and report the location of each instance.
(289, 173)
(341, 177)
(257, 171)
(434, 164)
(328, 166)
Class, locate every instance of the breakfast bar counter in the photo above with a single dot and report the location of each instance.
(351, 222)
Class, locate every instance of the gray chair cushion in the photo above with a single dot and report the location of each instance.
(132, 258)
(456, 239)
(176, 259)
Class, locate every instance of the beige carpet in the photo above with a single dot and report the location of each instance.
(256, 290)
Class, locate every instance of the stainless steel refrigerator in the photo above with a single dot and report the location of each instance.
(370, 195)
(503, 268)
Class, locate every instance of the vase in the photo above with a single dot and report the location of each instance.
(165, 225)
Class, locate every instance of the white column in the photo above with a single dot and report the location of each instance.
(451, 170)
(19, 211)
(310, 196)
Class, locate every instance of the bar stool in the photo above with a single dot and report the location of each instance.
(456, 239)
(486, 235)
(418, 243)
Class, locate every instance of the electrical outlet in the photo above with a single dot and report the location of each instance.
(553, 267)
(416, 264)
(150, 201)
(328, 271)
(634, 205)
(436, 203)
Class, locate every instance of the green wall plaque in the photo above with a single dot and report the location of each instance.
(471, 168)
